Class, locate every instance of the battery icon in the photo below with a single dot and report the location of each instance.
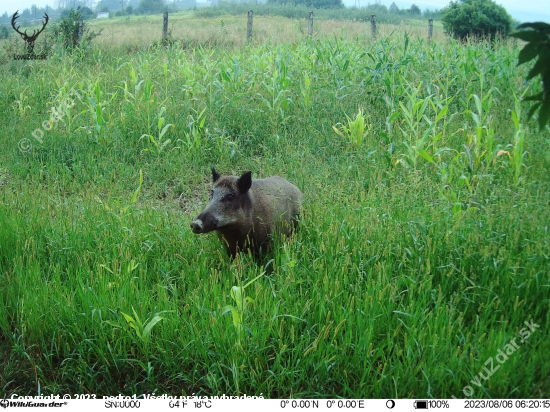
(420, 404)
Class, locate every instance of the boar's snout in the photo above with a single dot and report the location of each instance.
(196, 226)
(204, 223)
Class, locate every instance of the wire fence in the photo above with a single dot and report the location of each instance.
(227, 31)
(134, 32)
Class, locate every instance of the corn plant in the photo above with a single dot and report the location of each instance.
(138, 330)
(96, 106)
(278, 91)
(196, 132)
(416, 139)
(159, 143)
(241, 302)
(62, 105)
(515, 151)
(305, 90)
(22, 105)
(387, 135)
(355, 131)
(453, 184)
(481, 144)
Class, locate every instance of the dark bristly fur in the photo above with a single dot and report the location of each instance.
(245, 213)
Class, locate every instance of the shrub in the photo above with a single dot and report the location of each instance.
(66, 32)
(478, 18)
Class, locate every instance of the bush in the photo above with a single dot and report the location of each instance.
(66, 32)
(478, 18)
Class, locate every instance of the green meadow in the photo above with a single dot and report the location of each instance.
(422, 250)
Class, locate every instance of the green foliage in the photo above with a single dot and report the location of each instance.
(4, 33)
(86, 12)
(318, 4)
(299, 11)
(432, 14)
(66, 31)
(150, 7)
(537, 47)
(159, 143)
(415, 10)
(420, 253)
(477, 18)
(355, 131)
(239, 311)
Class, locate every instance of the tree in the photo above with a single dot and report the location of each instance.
(86, 12)
(394, 9)
(415, 10)
(150, 7)
(479, 18)
(538, 46)
(432, 14)
(4, 33)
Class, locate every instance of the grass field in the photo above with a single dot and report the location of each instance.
(229, 31)
(133, 32)
(423, 248)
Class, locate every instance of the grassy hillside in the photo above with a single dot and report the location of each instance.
(422, 250)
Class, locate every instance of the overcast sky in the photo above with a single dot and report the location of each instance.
(523, 10)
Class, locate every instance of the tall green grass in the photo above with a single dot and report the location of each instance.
(422, 249)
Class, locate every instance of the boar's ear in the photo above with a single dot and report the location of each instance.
(215, 175)
(244, 182)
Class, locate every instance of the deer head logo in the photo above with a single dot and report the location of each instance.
(32, 38)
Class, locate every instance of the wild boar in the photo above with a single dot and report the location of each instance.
(245, 213)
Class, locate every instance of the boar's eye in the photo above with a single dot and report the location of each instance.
(211, 194)
(229, 198)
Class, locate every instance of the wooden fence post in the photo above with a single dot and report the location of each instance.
(165, 26)
(310, 24)
(249, 26)
(430, 29)
(373, 25)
